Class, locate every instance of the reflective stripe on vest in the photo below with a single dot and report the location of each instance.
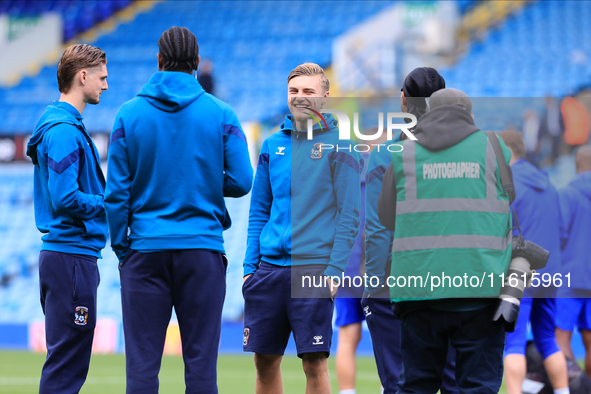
(412, 204)
(450, 241)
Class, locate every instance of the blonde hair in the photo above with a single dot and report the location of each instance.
(310, 69)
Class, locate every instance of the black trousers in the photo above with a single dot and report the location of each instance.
(479, 343)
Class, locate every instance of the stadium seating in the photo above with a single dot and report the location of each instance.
(253, 45)
(535, 52)
(20, 242)
(78, 16)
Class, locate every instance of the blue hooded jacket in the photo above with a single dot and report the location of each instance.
(304, 207)
(536, 206)
(352, 288)
(378, 239)
(68, 183)
(175, 153)
(575, 231)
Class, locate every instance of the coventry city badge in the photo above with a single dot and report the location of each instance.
(245, 336)
(81, 316)
(317, 151)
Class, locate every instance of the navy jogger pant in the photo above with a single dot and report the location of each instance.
(68, 284)
(194, 283)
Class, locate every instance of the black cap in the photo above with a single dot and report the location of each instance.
(422, 82)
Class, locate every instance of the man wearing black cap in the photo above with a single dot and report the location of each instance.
(383, 325)
(418, 85)
(444, 198)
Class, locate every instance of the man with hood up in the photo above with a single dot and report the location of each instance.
(69, 211)
(175, 153)
(573, 306)
(536, 203)
(444, 198)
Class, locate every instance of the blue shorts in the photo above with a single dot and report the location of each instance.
(573, 311)
(349, 311)
(540, 313)
(271, 313)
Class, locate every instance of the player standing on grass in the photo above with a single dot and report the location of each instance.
(304, 219)
(175, 153)
(384, 326)
(69, 211)
(536, 203)
(348, 311)
(573, 305)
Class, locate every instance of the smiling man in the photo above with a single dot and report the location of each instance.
(304, 218)
(69, 211)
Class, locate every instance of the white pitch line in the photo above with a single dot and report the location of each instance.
(22, 381)
(34, 381)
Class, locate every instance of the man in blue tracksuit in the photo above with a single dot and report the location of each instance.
(574, 300)
(536, 203)
(383, 325)
(175, 153)
(348, 311)
(69, 211)
(304, 219)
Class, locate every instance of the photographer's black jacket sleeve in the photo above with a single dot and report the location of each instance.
(387, 200)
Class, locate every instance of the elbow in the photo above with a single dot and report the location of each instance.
(239, 189)
(63, 206)
(244, 187)
(388, 220)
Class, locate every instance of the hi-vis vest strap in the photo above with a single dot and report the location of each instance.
(452, 218)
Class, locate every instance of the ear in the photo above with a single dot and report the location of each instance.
(472, 116)
(160, 62)
(324, 99)
(404, 99)
(83, 77)
(197, 61)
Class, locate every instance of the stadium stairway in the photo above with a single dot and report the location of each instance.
(486, 14)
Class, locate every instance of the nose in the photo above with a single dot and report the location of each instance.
(105, 86)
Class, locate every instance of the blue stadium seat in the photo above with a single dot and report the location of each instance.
(241, 38)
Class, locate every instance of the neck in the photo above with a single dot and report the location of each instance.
(301, 125)
(74, 101)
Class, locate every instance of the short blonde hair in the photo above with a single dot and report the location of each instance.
(310, 69)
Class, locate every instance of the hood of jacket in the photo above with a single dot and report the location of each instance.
(53, 115)
(526, 173)
(171, 91)
(443, 127)
(582, 183)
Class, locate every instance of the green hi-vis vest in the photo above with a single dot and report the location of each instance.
(453, 224)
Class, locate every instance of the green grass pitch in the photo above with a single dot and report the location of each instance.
(20, 372)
